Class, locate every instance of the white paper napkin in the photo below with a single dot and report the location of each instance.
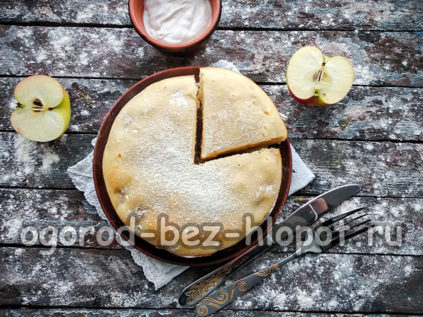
(157, 272)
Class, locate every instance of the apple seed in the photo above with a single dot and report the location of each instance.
(37, 102)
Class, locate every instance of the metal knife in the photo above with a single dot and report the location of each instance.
(306, 215)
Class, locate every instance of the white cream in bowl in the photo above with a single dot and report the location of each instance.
(177, 21)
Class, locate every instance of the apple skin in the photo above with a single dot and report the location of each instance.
(313, 101)
(63, 109)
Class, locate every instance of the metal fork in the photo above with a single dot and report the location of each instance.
(317, 240)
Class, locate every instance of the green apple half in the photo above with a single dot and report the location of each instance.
(44, 111)
(316, 79)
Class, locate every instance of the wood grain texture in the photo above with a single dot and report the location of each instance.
(66, 11)
(79, 312)
(62, 208)
(383, 168)
(401, 218)
(41, 209)
(260, 55)
(340, 144)
(29, 164)
(309, 14)
(109, 278)
(367, 113)
(323, 14)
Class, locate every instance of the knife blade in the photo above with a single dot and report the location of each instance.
(306, 215)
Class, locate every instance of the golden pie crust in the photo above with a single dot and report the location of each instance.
(237, 114)
(149, 171)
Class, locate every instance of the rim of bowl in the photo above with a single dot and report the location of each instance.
(136, 23)
(150, 249)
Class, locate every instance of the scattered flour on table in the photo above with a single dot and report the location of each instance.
(225, 64)
(11, 229)
(49, 158)
(25, 152)
(19, 252)
(12, 103)
(28, 153)
(87, 13)
(305, 299)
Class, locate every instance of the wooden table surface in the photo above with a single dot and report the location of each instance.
(373, 137)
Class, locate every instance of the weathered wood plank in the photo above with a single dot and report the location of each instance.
(401, 218)
(40, 209)
(74, 312)
(351, 283)
(67, 11)
(383, 168)
(369, 113)
(24, 163)
(109, 278)
(261, 55)
(61, 208)
(317, 15)
(323, 14)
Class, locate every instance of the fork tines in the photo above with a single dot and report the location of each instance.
(349, 226)
(338, 218)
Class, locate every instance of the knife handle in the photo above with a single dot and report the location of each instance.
(226, 295)
(196, 291)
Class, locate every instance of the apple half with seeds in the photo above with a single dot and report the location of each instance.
(316, 79)
(43, 113)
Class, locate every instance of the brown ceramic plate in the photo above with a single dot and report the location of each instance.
(144, 246)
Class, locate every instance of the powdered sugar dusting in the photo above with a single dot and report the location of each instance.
(165, 169)
(226, 96)
(174, 172)
(179, 99)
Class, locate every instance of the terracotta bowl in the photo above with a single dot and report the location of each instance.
(144, 246)
(136, 12)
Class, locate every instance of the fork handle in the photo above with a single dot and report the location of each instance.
(226, 295)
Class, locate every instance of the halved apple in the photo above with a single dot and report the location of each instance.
(44, 111)
(316, 79)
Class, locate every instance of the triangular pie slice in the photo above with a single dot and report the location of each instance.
(149, 170)
(237, 114)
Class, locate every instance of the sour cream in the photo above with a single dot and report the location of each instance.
(177, 21)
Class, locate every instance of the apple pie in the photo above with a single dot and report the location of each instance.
(151, 174)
